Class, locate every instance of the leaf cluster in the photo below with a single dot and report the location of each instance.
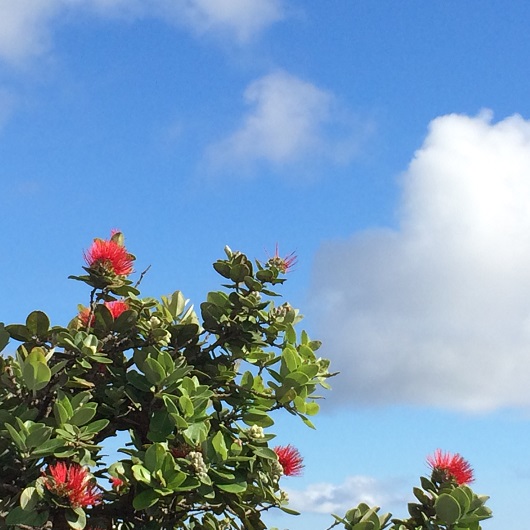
(444, 505)
(193, 395)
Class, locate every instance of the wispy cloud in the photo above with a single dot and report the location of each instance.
(27, 26)
(239, 18)
(326, 497)
(437, 312)
(289, 120)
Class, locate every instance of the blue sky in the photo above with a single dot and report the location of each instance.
(386, 142)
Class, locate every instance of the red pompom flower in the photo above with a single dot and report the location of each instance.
(116, 308)
(451, 467)
(290, 459)
(110, 256)
(73, 482)
(117, 483)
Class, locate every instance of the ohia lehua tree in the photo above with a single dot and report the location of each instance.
(191, 396)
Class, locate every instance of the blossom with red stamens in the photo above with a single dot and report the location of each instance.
(283, 264)
(85, 318)
(116, 308)
(73, 482)
(290, 459)
(451, 467)
(116, 482)
(109, 255)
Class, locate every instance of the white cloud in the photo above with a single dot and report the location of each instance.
(290, 119)
(438, 311)
(242, 18)
(26, 26)
(325, 497)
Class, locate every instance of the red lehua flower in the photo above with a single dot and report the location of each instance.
(109, 255)
(283, 264)
(117, 483)
(74, 482)
(116, 308)
(454, 467)
(84, 317)
(290, 459)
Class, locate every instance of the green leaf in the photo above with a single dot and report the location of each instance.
(312, 408)
(80, 399)
(154, 457)
(364, 525)
(138, 380)
(236, 487)
(141, 474)
(38, 435)
(257, 417)
(307, 421)
(265, 452)
(38, 324)
(447, 508)
(421, 496)
(48, 448)
(126, 321)
(196, 433)
(95, 426)
(290, 334)
(289, 511)
(153, 371)
(145, 499)
(36, 375)
(218, 298)
(18, 516)
(291, 359)
(4, 336)
(19, 332)
(462, 499)
(83, 415)
(252, 284)
(426, 484)
(76, 518)
(62, 415)
(29, 498)
(238, 272)
(265, 275)
(219, 445)
(16, 437)
(160, 426)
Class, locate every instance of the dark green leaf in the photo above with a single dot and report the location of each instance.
(145, 499)
(38, 324)
(19, 332)
(4, 336)
(17, 516)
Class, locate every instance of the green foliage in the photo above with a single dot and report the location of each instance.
(197, 394)
(444, 505)
(363, 518)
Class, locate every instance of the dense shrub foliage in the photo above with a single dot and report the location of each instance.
(191, 396)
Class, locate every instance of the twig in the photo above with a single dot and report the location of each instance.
(141, 277)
